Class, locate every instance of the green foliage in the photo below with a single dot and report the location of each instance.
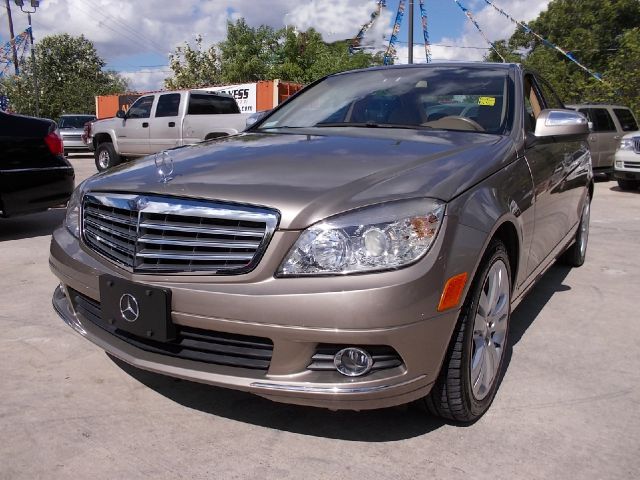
(70, 74)
(603, 35)
(193, 67)
(251, 54)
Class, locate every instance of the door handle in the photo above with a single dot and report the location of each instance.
(145, 125)
(172, 124)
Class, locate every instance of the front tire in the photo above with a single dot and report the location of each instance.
(106, 156)
(472, 368)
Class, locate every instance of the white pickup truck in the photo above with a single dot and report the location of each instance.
(164, 120)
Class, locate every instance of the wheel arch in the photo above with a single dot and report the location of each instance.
(103, 137)
(507, 233)
(214, 135)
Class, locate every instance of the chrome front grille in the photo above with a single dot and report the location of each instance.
(146, 233)
(635, 165)
(636, 144)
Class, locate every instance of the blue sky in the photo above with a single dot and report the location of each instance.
(135, 37)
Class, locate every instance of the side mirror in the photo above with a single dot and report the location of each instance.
(256, 117)
(121, 114)
(552, 123)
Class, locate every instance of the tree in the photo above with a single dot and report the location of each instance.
(70, 75)
(250, 54)
(601, 34)
(193, 67)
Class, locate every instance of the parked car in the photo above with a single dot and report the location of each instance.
(71, 128)
(609, 123)
(34, 175)
(627, 162)
(346, 251)
(164, 120)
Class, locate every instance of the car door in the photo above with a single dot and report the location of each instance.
(133, 131)
(164, 127)
(604, 138)
(554, 162)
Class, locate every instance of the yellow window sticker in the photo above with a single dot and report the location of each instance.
(487, 101)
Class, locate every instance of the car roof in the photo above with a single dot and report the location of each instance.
(596, 105)
(492, 65)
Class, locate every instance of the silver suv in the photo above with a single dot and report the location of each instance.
(609, 124)
(627, 158)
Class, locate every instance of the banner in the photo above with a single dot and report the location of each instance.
(245, 94)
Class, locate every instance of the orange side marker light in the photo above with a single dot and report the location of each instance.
(452, 292)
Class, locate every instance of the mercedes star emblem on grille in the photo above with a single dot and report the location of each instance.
(129, 308)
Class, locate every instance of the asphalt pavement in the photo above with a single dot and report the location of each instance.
(567, 406)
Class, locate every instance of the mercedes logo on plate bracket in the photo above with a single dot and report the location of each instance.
(129, 308)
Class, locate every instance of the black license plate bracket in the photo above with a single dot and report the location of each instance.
(139, 309)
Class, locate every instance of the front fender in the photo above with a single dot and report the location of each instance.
(505, 197)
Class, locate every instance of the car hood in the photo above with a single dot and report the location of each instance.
(310, 175)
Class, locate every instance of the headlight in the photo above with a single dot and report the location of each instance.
(626, 144)
(380, 237)
(72, 217)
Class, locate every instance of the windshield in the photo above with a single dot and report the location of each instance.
(445, 97)
(75, 121)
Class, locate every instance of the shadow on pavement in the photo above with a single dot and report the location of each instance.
(531, 306)
(384, 425)
(618, 189)
(33, 225)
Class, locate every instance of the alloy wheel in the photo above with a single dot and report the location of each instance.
(490, 329)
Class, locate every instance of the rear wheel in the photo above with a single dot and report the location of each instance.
(576, 254)
(628, 184)
(106, 156)
(471, 371)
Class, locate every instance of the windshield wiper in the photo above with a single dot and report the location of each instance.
(371, 125)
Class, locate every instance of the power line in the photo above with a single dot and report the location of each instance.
(121, 23)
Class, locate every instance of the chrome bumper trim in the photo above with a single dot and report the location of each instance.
(331, 390)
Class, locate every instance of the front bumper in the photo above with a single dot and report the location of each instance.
(420, 341)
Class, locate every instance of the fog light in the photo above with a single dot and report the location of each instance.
(619, 163)
(353, 362)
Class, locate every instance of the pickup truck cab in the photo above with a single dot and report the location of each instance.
(163, 120)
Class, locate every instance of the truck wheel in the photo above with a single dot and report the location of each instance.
(628, 184)
(472, 368)
(106, 156)
(575, 255)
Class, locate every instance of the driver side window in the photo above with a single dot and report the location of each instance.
(532, 104)
(141, 108)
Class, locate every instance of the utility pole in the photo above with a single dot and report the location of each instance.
(11, 39)
(411, 9)
(34, 5)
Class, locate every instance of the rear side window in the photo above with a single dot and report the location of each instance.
(626, 119)
(168, 105)
(203, 104)
(602, 121)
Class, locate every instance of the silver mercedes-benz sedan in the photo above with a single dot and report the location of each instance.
(361, 246)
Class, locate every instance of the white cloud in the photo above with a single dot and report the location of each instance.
(127, 31)
(494, 25)
(147, 79)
